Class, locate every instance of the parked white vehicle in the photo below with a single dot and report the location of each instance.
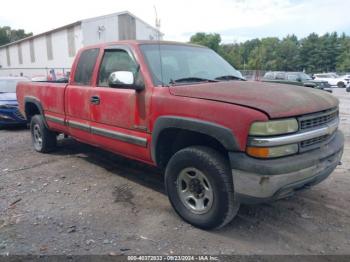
(347, 79)
(348, 86)
(333, 79)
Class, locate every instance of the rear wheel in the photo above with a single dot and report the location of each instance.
(43, 139)
(200, 188)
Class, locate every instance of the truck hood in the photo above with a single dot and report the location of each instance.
(276, 100)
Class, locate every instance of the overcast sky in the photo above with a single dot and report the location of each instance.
(235, 20)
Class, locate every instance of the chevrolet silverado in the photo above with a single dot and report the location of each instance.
(220, 140)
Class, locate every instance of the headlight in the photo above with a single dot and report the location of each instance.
(274, 127)
(272, 152)
(4, 117)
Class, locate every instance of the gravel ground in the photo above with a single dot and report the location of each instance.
(82, 200)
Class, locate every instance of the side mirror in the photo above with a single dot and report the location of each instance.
(121, 79)
(124, 79)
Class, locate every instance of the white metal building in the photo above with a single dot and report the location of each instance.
(35, 56)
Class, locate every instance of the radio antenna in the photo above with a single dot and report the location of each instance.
(157, 22)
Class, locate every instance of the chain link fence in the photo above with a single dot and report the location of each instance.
(253, 75)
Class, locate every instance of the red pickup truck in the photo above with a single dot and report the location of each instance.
(221, 140)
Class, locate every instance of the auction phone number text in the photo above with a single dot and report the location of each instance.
(172, 258)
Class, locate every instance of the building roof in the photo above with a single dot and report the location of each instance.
(75, 24)
(41, 34)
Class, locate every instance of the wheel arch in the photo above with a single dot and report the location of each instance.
(171, 133)
(32, 106)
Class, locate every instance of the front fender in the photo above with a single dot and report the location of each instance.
(222, 134)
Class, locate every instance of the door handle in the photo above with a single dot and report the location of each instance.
(95, 100)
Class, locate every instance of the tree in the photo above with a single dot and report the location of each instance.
(343, 60)
(288, 54)
(232, 53)
(210, 40)
(310, 54)
(329, 52)
(264, 56)
(8, 35)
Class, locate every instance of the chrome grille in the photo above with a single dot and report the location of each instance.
(315, 121)
(314, 141)
(318, 119)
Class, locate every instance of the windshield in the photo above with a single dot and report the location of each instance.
(181, 63)
(9, 85)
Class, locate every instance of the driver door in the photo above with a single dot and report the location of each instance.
(116, 113)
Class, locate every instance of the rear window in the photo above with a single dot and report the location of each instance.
(85, 67)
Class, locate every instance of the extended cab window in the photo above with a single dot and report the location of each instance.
(85, 67)
(113, 61)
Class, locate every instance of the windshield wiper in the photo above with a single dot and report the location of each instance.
(229, 77)
(191, 79)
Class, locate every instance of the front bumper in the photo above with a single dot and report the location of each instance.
(257, 180)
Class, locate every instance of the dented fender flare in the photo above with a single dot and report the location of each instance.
(36, 102)
(220, 133)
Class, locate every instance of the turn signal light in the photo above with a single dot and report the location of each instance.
(261, 152)
(271, 152)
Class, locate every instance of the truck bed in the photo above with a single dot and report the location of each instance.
(50, 95)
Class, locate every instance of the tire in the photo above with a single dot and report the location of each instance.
(206, 204)
(43, 139)
(341, 84)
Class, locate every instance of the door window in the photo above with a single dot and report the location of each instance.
(113, 61)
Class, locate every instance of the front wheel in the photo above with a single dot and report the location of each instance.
(43, 139)
(199, 184)
(341, 84)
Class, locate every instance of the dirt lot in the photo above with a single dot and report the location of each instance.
(82, 200)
